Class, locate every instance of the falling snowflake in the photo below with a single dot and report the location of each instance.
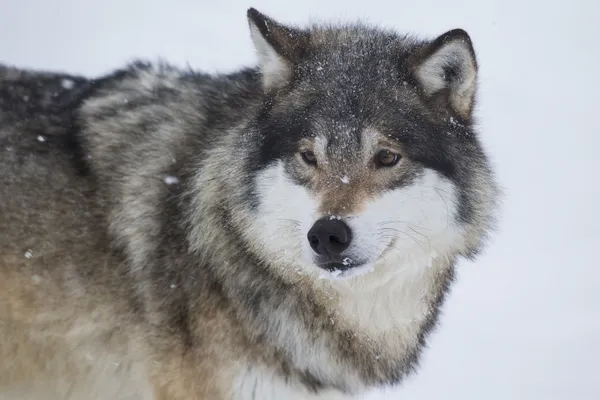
(67, 84)
(171, 180)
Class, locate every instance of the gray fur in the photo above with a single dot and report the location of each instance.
(97, 244)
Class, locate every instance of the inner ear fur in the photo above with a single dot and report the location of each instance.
(446, 71)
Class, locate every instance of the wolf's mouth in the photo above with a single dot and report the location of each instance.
(348, 263)
(345, 264)
(336, 266)
(339, 271)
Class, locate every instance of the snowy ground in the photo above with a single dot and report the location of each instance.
(524, 321)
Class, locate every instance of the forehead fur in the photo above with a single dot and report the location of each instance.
(357, 45)
(354, 59)
(353, 77)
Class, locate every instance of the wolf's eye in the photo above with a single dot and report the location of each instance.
(309, 157)
(386, 158)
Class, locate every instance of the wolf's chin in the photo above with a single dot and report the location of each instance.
(347, 272)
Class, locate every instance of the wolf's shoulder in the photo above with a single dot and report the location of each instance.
(149, 111)
(161, 85)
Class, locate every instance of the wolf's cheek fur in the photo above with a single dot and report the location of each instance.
(285, 213)
(416, 218)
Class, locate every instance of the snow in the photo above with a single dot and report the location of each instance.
(331, 274)
(523, 321)
(171, 180)
(67, 84)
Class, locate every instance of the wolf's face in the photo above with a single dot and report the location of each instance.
(363, 151)
(344, 220)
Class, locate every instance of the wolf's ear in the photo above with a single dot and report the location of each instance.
(278, 48)
(448, 67)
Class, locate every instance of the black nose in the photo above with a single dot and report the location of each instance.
(329, 236)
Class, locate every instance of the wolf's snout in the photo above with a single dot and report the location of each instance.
(329, 237)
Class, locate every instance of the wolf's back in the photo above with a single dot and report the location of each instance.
(40, 158)
(27, 95)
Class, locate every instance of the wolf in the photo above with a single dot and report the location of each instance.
(285, 231)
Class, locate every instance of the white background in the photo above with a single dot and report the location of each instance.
(523, 322)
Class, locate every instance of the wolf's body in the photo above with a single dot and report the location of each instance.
(153, 223)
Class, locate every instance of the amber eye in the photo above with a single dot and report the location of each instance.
(386, 158)
(309, 157)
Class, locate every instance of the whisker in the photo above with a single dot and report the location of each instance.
(447, 208)
(291, 221)
(425, 236)
(411, 237)
(402, 222)
(401, 231)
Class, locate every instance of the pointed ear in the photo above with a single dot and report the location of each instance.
(278, 48)
(447, 67)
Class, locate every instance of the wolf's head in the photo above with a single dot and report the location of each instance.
(364, 150)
